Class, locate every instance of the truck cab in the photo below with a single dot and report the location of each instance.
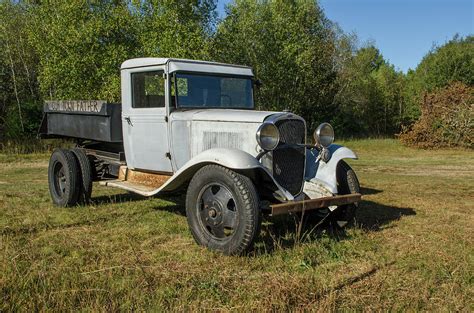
(193, 125)
(164, 101)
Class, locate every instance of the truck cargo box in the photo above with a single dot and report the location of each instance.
(94, 120)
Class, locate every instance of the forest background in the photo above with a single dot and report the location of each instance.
(306, 63)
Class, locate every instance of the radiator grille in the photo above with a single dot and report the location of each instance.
(288, 158)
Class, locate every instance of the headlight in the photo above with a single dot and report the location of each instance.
(324, 135)
(268, 136)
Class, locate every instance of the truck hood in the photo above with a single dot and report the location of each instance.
(198, 130)
(222, 115)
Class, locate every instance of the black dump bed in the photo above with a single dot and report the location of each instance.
(93, 120)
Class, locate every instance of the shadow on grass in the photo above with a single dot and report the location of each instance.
(284, 232)
(117, 198)
(177, 204)
(369, 191)
(373, 216)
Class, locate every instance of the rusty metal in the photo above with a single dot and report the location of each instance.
(154, 180)
(311, 204)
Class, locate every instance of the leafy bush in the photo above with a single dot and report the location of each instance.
(443, 65)
(446, 119)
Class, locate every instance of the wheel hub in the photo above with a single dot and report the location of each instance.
(217, 210)
(214, 213)
(59, 179)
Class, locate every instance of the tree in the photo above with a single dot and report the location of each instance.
(369, 97)
(176, 28)
(73, 49)
(81, 45)
(290, 45)
(19, 111)
(443, 65)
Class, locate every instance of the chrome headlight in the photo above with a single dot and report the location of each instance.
(268, 136)
(324, 135)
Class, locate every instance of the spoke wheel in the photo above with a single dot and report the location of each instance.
(222, 210)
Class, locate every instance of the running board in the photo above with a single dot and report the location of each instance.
(140, 189)
(312, 204)
(140, 182)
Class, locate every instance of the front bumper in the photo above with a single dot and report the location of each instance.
(312, 204)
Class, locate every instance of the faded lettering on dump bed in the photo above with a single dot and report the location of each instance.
(92, 106)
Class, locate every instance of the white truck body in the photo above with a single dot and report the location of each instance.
(192, 124)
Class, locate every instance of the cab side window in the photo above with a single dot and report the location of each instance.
(148, 90)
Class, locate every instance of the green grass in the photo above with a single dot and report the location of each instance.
(412, 249)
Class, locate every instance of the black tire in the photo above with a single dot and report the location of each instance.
(347, 183)
(222, 209)
(63, 178)
(85, 169)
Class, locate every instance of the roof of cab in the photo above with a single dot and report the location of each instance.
(186, 64)
(140, 62)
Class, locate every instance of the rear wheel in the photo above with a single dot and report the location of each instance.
(347, 183)
(85, 170)
(222, 210)
(63, 178)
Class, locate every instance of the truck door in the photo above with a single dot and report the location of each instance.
(144, 120)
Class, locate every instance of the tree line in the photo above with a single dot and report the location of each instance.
(306, 63)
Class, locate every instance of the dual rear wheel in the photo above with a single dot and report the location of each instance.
(69, 177)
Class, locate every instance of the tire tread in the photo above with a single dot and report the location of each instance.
(86, 175)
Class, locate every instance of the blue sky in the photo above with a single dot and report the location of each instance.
(403, 30)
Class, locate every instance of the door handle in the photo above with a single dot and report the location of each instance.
(129, 121)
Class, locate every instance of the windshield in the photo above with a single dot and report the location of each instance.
(197, 91)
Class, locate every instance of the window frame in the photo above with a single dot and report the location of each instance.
(132, 74)
(175, 85)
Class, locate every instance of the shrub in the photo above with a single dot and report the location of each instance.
(446, 119)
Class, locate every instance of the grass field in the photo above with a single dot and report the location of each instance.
(412, 248)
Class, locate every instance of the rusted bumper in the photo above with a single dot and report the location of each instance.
(311, 204)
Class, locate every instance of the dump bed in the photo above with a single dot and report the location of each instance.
(94, 120)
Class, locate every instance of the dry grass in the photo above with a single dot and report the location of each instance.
(413, 247)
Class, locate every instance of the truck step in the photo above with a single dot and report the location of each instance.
(140, 189)
(142, 183)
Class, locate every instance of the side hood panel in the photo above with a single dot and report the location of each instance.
(195, 131)
(219, 134)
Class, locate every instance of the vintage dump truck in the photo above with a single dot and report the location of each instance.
(186, 125)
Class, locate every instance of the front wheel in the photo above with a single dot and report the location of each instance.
(347, 183)
(222, 209)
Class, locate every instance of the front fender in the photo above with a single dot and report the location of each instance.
(324, 173)
(231, 158)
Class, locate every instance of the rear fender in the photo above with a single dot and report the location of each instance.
(323, 173)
